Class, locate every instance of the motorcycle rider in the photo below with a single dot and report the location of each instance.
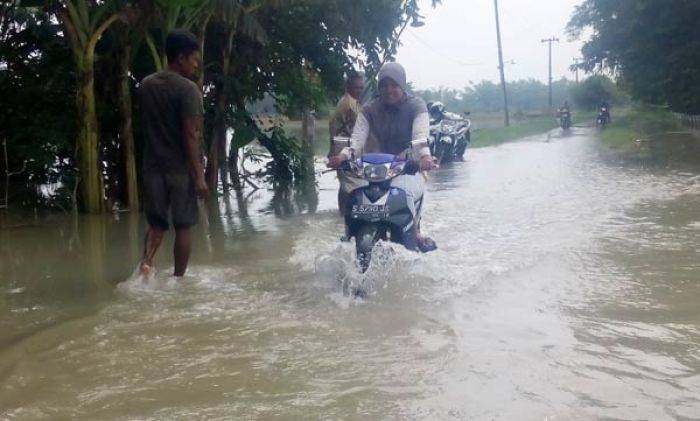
(565, 109)
(397, 122)
(436, 111)
(605, 110)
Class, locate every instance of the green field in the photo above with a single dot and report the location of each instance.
(640, 124)
(520, 127)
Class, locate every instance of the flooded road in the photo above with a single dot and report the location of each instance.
(566, 286)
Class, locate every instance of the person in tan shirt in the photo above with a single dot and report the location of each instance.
(346, 111)
(342, 121)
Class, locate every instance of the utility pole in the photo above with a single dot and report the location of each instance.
(500, 65)
(576, 59)
(550, 41)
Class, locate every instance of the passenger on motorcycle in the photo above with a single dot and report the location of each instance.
(399, 124)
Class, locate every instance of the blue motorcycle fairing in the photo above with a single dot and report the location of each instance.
(378, 158)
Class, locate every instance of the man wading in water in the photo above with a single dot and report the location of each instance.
(173, 176)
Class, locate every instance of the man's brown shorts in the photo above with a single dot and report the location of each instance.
(170, 194)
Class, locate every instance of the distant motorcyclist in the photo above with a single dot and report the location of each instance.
(399, 123)
(605, 110)
(564, 114)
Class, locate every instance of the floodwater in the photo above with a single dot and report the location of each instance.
(566, 286)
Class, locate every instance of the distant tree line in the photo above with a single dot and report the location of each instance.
(526, 95)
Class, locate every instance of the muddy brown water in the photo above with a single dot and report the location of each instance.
(566, 286)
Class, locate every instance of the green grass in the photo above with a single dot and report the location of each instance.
(497, 135)
(530, 126)
(638, 124)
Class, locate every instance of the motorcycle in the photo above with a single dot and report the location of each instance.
(380, 208)
(450, 135)
(565, 119)
(603, 117)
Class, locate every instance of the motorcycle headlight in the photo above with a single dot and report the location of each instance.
(448, 128)
(375, 172)
(446, 139)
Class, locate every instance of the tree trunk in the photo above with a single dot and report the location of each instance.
(218, 143)
(308, 128)
(201, 37)
(223, 171)
(217, 149)
(126, 130)
(233, 166)
(91, 183)
(5, 173)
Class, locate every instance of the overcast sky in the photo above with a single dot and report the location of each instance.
(458, 42)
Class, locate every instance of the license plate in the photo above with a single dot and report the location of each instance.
(374, 211)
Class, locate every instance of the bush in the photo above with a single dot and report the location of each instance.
(594, 90)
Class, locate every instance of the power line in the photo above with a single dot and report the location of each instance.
(443, 55)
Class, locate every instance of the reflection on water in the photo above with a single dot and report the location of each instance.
(565, 287)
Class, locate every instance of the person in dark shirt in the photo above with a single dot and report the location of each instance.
(171, 113)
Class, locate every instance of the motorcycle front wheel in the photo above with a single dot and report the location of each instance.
(443, 152)
(365, 239)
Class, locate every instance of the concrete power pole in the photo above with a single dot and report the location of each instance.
(550, 41)
(500, 65)
(576, 59)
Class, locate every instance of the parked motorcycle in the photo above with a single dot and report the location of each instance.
(450, 134)
(379, 207)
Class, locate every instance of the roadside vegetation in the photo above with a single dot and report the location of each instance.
(638, 125)
(651, 46)
(491, 136)
(523, 127)
(70, 69)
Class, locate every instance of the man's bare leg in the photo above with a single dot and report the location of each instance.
(181, 252)
(154, 237)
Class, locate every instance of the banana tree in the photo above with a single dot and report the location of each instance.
(85, 22)
(168, 15)
(233, 17)
(126, 43)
